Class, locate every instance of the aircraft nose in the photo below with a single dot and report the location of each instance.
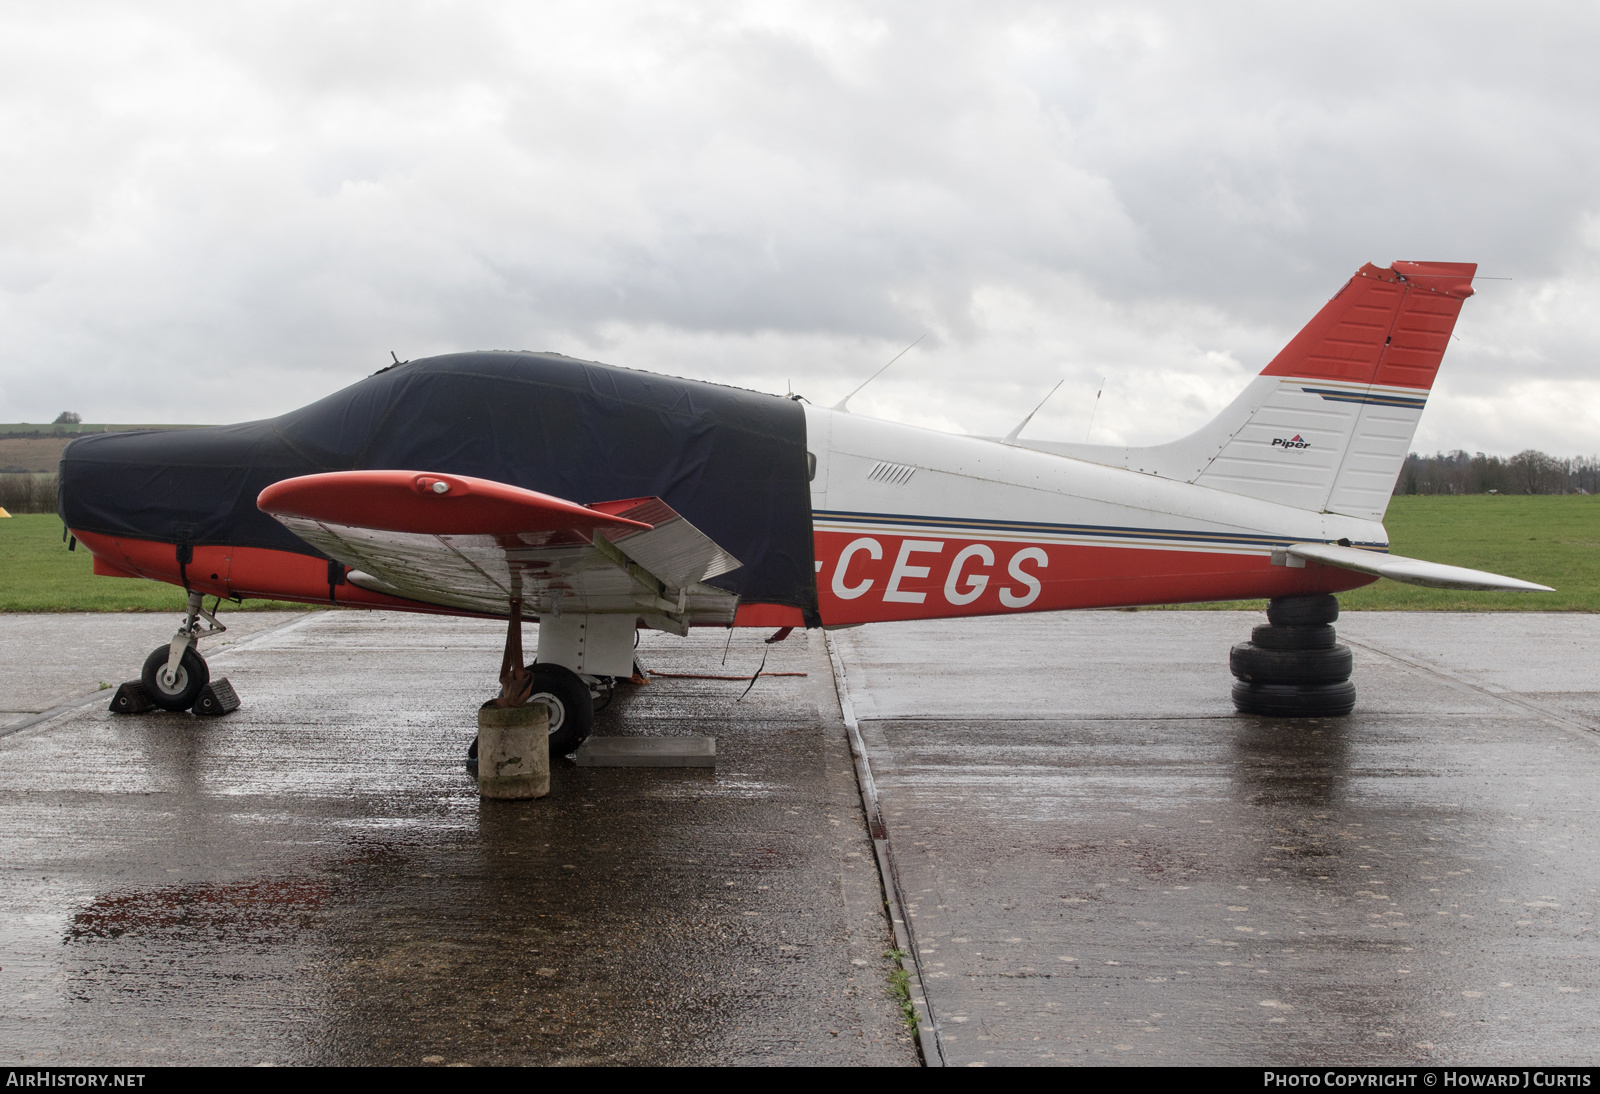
(199, 484)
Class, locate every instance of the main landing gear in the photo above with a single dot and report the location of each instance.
(567, 695)
(175, 676)
(1294, 667)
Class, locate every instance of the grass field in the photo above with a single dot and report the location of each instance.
(1554, 540)
(39, 574)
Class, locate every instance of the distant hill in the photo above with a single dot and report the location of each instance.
(30, 447)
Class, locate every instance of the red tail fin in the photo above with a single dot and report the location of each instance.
(1386, 326)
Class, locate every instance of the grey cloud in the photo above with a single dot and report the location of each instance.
(272, 198)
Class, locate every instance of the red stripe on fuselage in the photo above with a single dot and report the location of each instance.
(248, 573)
(889, 576)
(256, 573)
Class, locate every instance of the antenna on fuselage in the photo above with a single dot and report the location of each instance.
(840, 404)
(1094, 411)
(1011, 438)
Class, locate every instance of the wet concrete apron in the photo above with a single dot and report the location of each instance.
(1103, 863)
(314, 878)
(67, 656)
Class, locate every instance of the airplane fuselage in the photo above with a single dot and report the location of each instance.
(913, 523)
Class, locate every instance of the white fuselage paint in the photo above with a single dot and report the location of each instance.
(912, 522)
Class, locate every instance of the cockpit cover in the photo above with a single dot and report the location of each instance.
(731, 461)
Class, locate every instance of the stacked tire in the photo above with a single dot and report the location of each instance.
(1294, 667)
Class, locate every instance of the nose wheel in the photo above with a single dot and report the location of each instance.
(174, 675)
(174, 688)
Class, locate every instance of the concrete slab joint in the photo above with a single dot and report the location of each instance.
(894, 902)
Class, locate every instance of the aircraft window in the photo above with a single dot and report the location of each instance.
(811, 467)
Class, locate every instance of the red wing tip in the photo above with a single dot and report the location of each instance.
(322, 496)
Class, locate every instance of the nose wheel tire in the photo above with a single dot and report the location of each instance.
(180, 692)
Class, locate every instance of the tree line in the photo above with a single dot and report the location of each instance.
(25, 493)
(1528, 472)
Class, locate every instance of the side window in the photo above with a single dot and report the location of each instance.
(811, 467)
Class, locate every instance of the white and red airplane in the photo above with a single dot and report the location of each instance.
(601, 500)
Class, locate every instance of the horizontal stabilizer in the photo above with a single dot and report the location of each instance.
(1411, 571)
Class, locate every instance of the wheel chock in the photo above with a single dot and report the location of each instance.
(130, 699)
(217, 697)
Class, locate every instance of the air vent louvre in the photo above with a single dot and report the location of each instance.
(894, 474)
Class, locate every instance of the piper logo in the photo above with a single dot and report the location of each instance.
(1292, 442)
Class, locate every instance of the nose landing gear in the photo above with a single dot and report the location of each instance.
(175, 676)
(174, 688)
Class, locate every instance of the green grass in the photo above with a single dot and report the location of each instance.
(39, 574)
(1551, 539)
(900, 988)
(1554, 540)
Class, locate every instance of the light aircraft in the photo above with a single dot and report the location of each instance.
(600, 500)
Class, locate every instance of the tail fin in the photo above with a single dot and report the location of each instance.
(1326, 426)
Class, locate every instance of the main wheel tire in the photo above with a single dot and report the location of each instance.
(571, 706)
(1317, 636)
(1295, 700)
(1301, 611)
(193, 674)
(1250, 662)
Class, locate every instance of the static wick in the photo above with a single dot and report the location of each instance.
(840, 405)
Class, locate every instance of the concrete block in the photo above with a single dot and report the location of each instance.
(514, 751)
(648, 752)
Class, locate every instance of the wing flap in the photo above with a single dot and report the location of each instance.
(1411, 571)
(667, 545)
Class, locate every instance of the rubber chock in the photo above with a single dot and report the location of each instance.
(130, 699)
(217, 697)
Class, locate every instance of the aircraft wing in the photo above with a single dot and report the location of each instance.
(467, 543)
(1412, 571)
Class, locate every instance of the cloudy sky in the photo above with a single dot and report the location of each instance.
(220, 212)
